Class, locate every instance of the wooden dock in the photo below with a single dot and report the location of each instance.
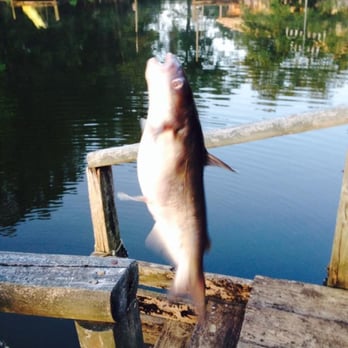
(241, 313)
(103, 297)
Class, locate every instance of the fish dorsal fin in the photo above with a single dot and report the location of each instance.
(214, 161)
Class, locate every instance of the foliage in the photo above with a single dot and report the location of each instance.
(332, 7)
(277, 38)
(93, 45)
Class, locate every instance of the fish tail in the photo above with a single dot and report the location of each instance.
(190, 281)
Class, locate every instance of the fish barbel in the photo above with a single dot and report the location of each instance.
(170, 165)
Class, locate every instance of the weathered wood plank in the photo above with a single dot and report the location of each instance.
(155, 308)
(218, 287)
(229, 289)
(103, 212)
(338, 268)
(175, 334)
(112, 156)
(274, 329)
(221, 328)
(8, 258)
(236, 135)
(292, 314)
(154, 304)
(301, 298)
(128, 332)
(65, 286)
(99, 293)
(178, 315)
(152, 328)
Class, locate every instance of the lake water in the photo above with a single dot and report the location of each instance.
(79, 86)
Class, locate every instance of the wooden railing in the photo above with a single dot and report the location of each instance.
(98, 293)
(103, 210)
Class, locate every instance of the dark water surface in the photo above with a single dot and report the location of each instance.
(79, 85)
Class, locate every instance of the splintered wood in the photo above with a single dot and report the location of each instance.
(292, 314)
(221, 328)
(172, 324)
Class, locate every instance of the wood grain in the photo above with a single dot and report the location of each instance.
(293, 314)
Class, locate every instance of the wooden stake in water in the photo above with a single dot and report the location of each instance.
(338, 268)
(103, 211)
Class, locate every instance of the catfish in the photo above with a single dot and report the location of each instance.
(170, 164)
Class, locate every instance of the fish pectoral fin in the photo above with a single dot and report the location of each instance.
(124, 197)
(214, 161)
(157, 240)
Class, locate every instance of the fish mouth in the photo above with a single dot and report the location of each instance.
(169, 59)
(170, 65)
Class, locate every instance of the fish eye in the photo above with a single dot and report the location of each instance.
(177, 83)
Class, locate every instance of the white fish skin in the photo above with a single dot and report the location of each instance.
(170, 165)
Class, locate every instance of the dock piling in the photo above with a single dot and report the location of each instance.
(103, 212)
(338, 268)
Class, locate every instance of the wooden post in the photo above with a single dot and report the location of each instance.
(127, 332)
(338, 268)
(264, 129)
(107, 242)
(103, 211)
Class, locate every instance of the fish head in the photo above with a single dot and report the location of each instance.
(170, 95)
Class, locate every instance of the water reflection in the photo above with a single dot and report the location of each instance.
(79, 85)
(33, 11)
